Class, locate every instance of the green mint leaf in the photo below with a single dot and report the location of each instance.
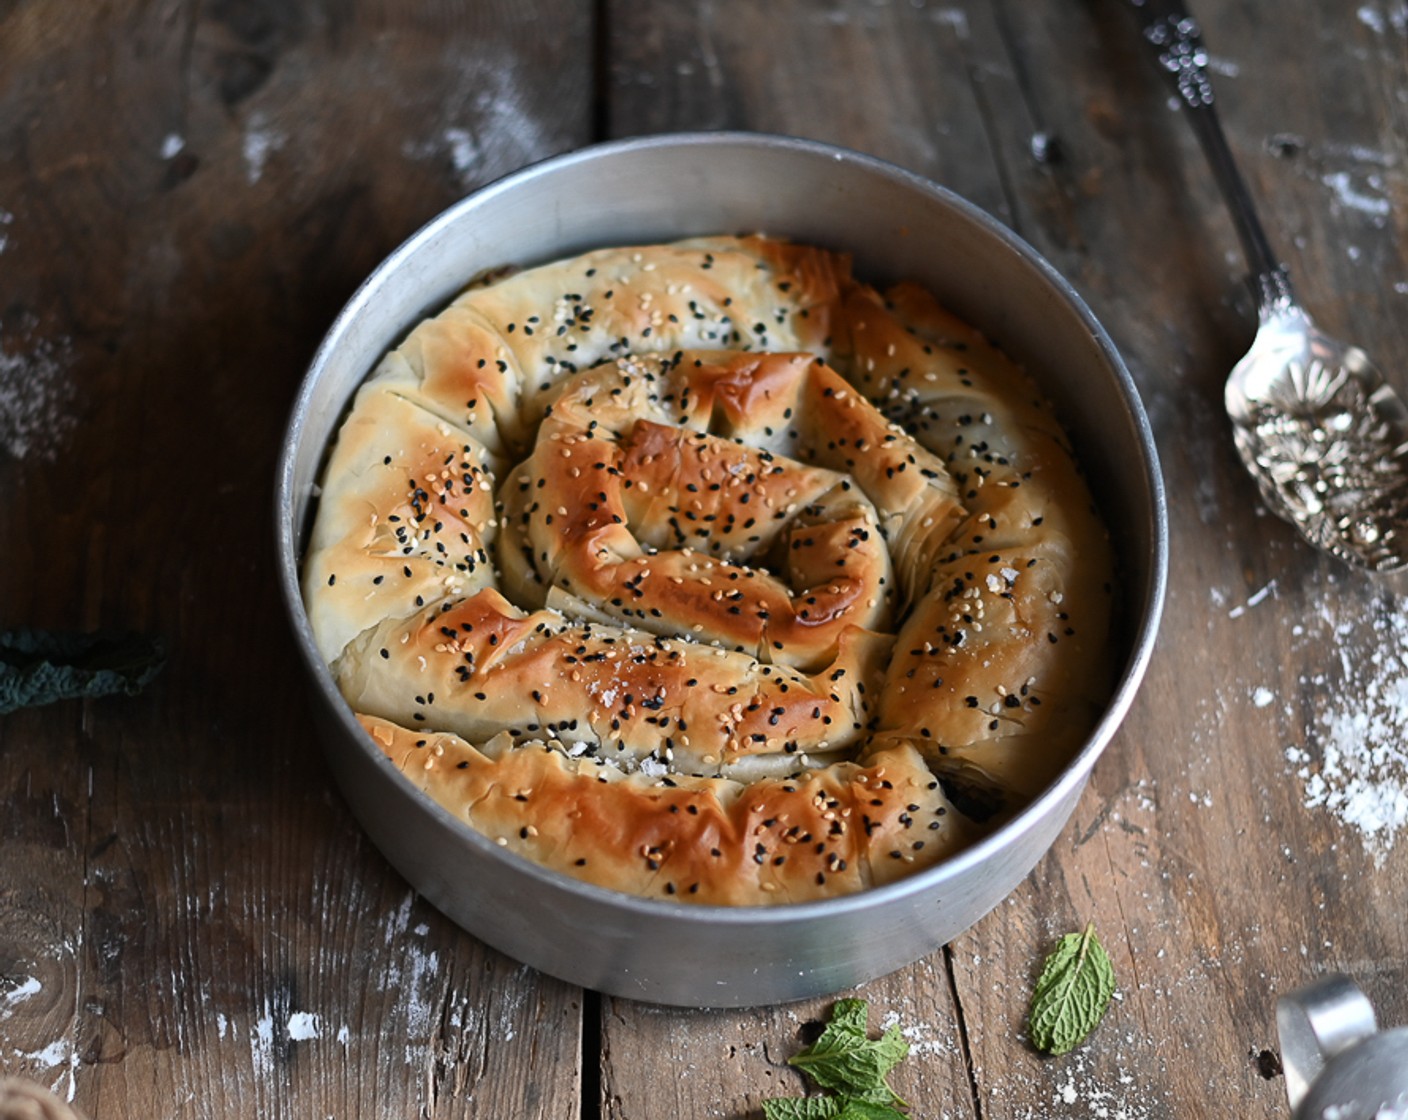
(828, 1108)
(849, 1019)
(856, 1109)
(39, 666)
(846, 1060)
(802, 1108)
(1071, 994)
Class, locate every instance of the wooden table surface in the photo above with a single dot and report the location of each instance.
(192, 925)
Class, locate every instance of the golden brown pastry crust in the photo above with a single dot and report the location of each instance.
(823, 833)
(480, 667)
(999, 673)
(656, 489)
(778, 551)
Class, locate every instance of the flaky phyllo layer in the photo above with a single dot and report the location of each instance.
(705, 571)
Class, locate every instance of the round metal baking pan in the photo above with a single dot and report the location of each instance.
(896, 225)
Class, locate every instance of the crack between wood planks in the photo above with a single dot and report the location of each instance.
(959, 24)
(709, 56)
(592, 1058)
(600, 122)
(1124, 931)
(1030, 103)
(444, 1055)
(188, 43)
(1044, 146)
(964, 1043)
(1101, 816)
(79, 950)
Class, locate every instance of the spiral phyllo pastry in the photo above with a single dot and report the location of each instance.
(704, 571)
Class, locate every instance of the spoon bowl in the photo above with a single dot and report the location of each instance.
(1324, 436)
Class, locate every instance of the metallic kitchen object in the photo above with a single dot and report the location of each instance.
(897, 225)
(1321, 432)
(1338, 1065)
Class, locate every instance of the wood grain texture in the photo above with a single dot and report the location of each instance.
(725, 1063)
(191, 924)
(1200, 851)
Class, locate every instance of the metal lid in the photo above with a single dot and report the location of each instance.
(1338, 1067)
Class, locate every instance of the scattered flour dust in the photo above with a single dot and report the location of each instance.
(1376, 21)
(1361, 742)
(6, 221)
(261, 140)
(485, 126)
(61, 1056)
(1368, 197)
(1081, 1088)
(18, 993)
(922, 1038)
(464, 151)
(35, 396)
(303, 1025)
(1087, 1096)
(1373, 19)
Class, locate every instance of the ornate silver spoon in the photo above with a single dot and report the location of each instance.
(1315, 423)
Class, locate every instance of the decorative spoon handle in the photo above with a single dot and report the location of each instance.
(1174, 36)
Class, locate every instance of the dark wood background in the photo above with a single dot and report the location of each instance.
(191, 924)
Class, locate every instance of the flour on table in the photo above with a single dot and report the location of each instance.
(1396, 19)
(1253, 600)
(464, 152)
(955, 18)
(55, 1054)
(25, 989)
(485, 128)
(303, 1025)
(922, 1037)
(1367, 196)
(1080, 1089)
(6, 221)
(35, 396)
(261, 140)
(1086, 1095)
(1373, 19)
(261, 1044)
(60, 1054)
(172, 145)
(1354, 761)
(1380, 22)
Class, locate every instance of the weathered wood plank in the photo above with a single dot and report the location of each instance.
(1225, 851)
(914, 84)
(896, 81)
(725, 1063)
(192, 923)
(1203, 851)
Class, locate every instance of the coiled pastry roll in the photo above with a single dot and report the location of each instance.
(706, 571)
